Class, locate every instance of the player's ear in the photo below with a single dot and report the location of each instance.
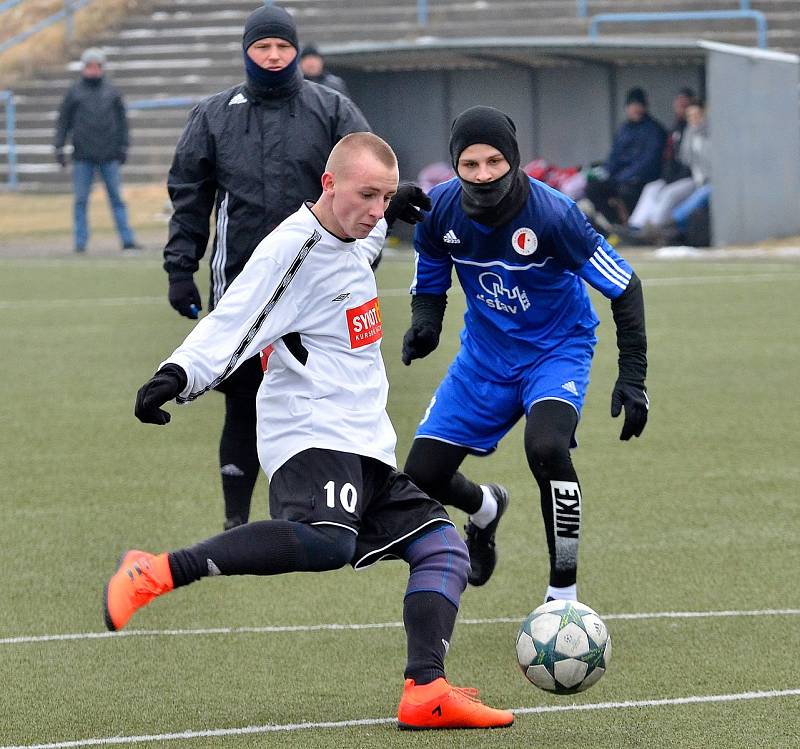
(328, 182)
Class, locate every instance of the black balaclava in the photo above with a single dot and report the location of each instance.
(490, 203)
(267, 22)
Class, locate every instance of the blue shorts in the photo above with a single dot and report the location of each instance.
(475, 406)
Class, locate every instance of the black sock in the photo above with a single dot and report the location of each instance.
(433, 467)
(429, 619)
(548, 433)
(266, 547)
(238, 457)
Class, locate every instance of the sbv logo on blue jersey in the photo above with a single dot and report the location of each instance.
(499, 297)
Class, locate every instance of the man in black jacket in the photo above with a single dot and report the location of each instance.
(92, 114)
(252, 154)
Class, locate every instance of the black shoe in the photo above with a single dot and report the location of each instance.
(131, 246)
(480, 541)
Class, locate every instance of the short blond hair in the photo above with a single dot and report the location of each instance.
(351, 144)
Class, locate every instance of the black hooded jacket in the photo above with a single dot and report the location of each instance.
(253, 160)
(93, 115)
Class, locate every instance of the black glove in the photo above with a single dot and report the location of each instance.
(163, 386)
(123, 157)
(419, 342)
(407, 204)
(184, 296)
(427, 313)
(61, 158)
(629, 390)
(633, 398)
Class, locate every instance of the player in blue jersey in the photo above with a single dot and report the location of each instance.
(523, 254)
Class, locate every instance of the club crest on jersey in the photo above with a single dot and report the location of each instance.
(525, 241)
(364, 323)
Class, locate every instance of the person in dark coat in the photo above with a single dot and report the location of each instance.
(92, 115)
(251, 155)
(635, 159)
(312, 63)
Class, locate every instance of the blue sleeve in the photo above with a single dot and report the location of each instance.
(581, 249)
(606, 271)
(432, 263)
(574, 239)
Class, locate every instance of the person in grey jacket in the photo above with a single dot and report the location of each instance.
(312, 63)
(92, 115)
(251, 154)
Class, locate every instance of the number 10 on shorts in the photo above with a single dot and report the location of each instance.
(348, 496)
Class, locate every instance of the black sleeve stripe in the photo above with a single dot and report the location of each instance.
(278, 293)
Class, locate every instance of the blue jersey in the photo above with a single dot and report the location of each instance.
(524, 280)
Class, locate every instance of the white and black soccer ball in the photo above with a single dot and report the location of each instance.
(563, 647)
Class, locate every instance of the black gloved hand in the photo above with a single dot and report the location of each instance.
(184, 296)
(407, 204)
(61, 158)
(633, 398)
(123, 157)
(163, 386)
(418, 342)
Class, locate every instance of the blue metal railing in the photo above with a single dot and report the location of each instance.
(710, 15)
(581, 9)
(7, 98)
(171, 103)
(9, 4)
(67, 15)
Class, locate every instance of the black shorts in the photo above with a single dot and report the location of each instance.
(377, 503)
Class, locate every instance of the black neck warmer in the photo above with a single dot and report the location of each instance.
(92, 82)
(480, 201)
(490, 203)
(268, 84)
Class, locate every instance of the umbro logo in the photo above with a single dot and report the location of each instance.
(570, 387)
(238, 99)
(341, 297)
(451, 237)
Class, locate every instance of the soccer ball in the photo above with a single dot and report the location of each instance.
(563, 647)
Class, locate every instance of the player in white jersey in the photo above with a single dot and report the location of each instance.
(307, 300)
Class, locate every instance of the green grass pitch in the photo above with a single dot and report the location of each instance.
(700, 515)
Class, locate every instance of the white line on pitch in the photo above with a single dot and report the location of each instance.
(144, 300)
(249, 730)
(276, 629)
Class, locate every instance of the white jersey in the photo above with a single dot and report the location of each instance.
(325, 384)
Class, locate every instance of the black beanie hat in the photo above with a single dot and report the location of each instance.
(636, 96)
(484, 125)
(269, 21)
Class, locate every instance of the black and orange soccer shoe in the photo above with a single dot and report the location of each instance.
(440, 705)
(139, 578)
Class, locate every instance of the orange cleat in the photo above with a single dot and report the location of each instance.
(139, 578)
(439, 705)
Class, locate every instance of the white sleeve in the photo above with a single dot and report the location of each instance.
(259, 307)
(371, 246)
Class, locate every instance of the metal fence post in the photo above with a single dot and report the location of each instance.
(69, 20)
(7, 98)
(422, 12)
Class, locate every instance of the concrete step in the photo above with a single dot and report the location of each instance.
(144, 135)
(33, 153)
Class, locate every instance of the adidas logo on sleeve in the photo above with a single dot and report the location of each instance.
(451, 237)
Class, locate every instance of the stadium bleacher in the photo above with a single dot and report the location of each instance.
(191, 48)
